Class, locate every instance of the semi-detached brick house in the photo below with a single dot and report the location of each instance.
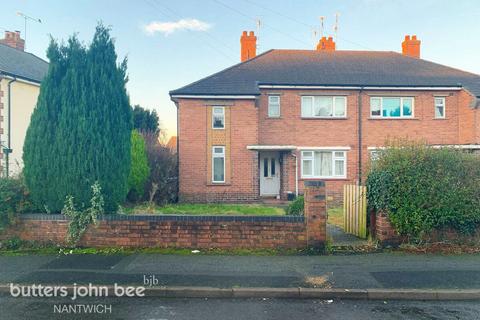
(262, 127)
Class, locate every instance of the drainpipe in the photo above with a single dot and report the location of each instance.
(296, 174)
(359, 134)
(9, 123)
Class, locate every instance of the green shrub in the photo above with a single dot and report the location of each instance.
(139, 170)
(14, 198)
(81, 127)
(82, 218)
(296, 208)
(423, 188)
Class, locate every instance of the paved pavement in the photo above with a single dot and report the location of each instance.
(248, 309)
(378, 270)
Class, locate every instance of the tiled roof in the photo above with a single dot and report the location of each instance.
(338, 68)
(21, 64)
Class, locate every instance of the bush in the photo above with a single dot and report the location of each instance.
(422, 188)
(139, 170)
(162, 185)
(81, 219)
(80, 130)
(14, 198)
(296, 208)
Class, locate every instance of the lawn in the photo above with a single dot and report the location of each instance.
(207, 209)
(335, 216)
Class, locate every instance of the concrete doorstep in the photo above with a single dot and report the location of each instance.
(297, 293)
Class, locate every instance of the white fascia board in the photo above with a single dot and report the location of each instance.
(17, 79)
(274, 86)
(188, 96)
(265, 86)
(335, 148)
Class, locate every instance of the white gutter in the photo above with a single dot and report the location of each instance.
(191, 96)
(4, 76)
(268, 86)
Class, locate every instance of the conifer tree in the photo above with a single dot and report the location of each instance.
(80, 129)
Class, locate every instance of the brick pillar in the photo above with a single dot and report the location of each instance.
(384, 231)
(315, 213)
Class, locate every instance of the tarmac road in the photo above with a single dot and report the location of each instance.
(248, 309)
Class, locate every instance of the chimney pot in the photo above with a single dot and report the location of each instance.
(13, 39)
(326, 44)
(248, 46)
(411, 46)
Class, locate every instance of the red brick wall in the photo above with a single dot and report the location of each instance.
(227, 232)
(171, 232)
(252, 126)
(243, 166)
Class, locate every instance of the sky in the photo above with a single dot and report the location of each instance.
(170, 44)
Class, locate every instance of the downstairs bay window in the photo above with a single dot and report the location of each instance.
(324, 164)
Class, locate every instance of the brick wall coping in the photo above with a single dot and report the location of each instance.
(170, 217)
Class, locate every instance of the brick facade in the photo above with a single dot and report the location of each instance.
(250, 125)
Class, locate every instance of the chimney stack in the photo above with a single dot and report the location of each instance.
(326, 44)
(248, 44)
(12, 39)
(411, 47)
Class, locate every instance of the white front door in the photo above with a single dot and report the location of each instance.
(269, 174)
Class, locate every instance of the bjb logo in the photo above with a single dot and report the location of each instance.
(150, 280)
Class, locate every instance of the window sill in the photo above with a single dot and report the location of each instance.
(324, 118)
(440, 118)
(325, 179)
(379, 118)
(219, 184)
(273, 118)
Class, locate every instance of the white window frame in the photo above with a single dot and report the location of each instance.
(435, 107)
(333, 116)
(218, 155)
(401, 107)
(213, 117)
(270, 103)
(334, 158)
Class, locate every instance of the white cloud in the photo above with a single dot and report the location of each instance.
(172, 26)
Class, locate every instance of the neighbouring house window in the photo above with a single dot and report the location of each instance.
(274, 106)
(323, 164)
(218, 118)
(375, 155)
(324, 107)
(218, 164)
(391, 107)
(440, 108)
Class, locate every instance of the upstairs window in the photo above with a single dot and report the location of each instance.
(439, 108)
(218, 118)
(324, 107)
(218, 164)
(273, 106)
(391, 107)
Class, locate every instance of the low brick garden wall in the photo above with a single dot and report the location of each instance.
(180, 231)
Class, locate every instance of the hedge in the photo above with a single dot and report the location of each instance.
(424, 188)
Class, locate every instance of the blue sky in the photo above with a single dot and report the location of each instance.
(173, 56)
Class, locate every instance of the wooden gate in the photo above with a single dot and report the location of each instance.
(355, 210)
